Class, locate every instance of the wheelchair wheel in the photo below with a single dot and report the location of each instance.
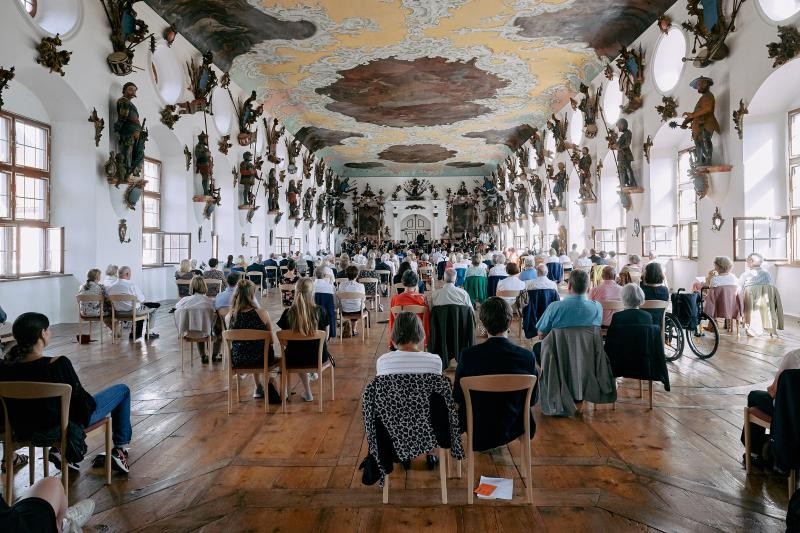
(705, 340)
(673, 338)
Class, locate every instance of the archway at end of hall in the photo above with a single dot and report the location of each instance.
(414, 225)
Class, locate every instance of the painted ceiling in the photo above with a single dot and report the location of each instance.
(411, 87)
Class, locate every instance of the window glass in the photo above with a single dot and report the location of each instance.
(5, 140)
(762, 235)
(668, 59)
(612, 101)
(8, 255)
(31, 145)
(151, 248)
(152, 173)
(794, 183)
(5, 195)
(152, 212)
(176, 247)
(32, 253)
(31, 198)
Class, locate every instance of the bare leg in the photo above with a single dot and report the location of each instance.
(51, 490)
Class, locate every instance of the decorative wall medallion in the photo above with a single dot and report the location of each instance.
(122, 231)
(99, 124)
(637, 227)
(50, 56)
(716, 220)
(133, 193)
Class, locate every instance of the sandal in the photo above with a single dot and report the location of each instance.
(20, 460)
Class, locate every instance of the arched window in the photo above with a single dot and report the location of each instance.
(29, 6)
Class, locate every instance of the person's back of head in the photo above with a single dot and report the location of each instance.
(125, 272)
(319, 272)
(542, 271)
(756, 259)
(495, 315)
(612, 254)
(512, 269)
(529, 262)
(302, 315)
(574, 247)
(723, 264)
(653, 274)
(552, 252)
(290, 265)
(632, 296)
(407, 329)
(232, 279)
(450, 275)
(609, 274)
(634, 259)
(27, 330)
(499, 259)
(351, 272)
(592, 252)
(410, 279)
(112, 271)
(185, 266)
(579, 281)
(603, 254)
(243, 298)
(92, 276)
(476, 260)
(212, 263)
(198, 285)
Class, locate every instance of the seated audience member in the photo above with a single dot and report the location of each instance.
(477, 268)
(511, 283)
(407, 336)
(184, 273)
(499, 268)
(498, 417)
(271, 261)
(461, 261)
(566, 262)
(603, 257)
(721, 275)
(300, 265)
(26, 362)
(349, 305)
(632, 298)
(214, 273)
(541, 281)
(552, 256)
(245, 314)
(528, 268)
(283, 260)
(612, 259)
(90, 288)
(369, 272)
(229, 264)
(322, 284)
(256, 266)
(765, 401)
(44, 509)
(755, 273)
(3, 316)
(607, 290)
(305, 317)
(634, 263)
(125, 286)
(111, 277)
(574, 310)
(224, 298)
(653, 282)
(449, 294)
(405, 266)
(574, 254)
(410, 296)
(240, 266)
(198, 301)
(594, 258)
(290, 277)
(583, 260)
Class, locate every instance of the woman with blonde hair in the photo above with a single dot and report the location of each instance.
(245, 314)
(92, 287)
(184, 273)
(305, 317)
(111, 277)
(185, 323)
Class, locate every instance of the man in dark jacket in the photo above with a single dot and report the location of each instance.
(497, 417)
(256, 266)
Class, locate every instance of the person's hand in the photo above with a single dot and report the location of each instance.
(772, 390)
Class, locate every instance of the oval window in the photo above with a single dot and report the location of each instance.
(668, 61)
(612, 101)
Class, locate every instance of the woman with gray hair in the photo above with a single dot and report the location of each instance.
(721, 274)
(632, 298)
(528, 268)
(407, 336)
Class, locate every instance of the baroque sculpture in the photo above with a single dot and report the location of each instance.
(588, 106)
(586, 190)
(710, 29)
(560, 188)
(631, 77)
(127, 31)
(787, 47)
(274, 134)
(536, 185)
(187, 155)
(169, 117)
(292, 151)
(248, 114)
(224, 144)
(308, 162)
(538, 144)
(6, 75)
(738, 118)
(668, 108)
(50, 56)
(559, 130)
(248, 174)
(204, 163)
(702, 121)
(99, 125)
(203, 80)
(273, 189)
(292, 199)
(319, 173)
(131, 136)
(622, 145)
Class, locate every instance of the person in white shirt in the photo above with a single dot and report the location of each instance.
(553, 257)
(449, 294)
(407, 336)
(612, 259)
(499, 268)
(412, 260)
(198, 302)
(351, 285)
(565, 261)
(511, 283)
(721, 275)
(322, 284)
(461, 261)
(583, 260)
(125, 286)
(574, 254)
(540, 281)
(755, 273)
(111, 277)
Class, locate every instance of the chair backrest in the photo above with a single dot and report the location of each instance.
(90, 298)
(351, 296)
(35, 390)
(509, 293)
(657, 304)
(119, 298)
(341, 280)
(636, 276)
(214, 283)
(183, 283)
(399, 287)
(382, 273)
(287, 287)
(497, 383)
(416, 309)
(224, 315)
(612, 305)
(369, 281)
(426, 271)
(272, 271)
(244, 335)
(253, 276)
(286, 336)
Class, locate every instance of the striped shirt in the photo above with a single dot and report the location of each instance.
(399, 362)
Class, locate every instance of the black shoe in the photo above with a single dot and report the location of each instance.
(55, 457)
(216, 358)
(204, 359)
(119, 458)
(273, 396)
(431, 461)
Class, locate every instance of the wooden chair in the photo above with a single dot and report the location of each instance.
(244, 335)
(419, 310)
(33, 390)
(286, 287)
(133, 316)
(427, 274)
(258, 280)
(499, 383)
(398, 288)
(217, 283)
(87, 298)
(362, 315)
(515, 311)
(339, 281)
(183, 283)
(376, 299)
(443, 461)
(195, 338)
(284, 337)
(636, 276)
(283, 269)
(754, 415)
(652, 304)
(610, 305)
(272, 281)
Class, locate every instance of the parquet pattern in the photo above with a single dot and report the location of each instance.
(196, 468)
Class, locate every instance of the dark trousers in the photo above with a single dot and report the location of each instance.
(140, 324)
(217, 343)
(762, 400)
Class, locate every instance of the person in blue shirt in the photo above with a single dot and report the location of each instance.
(574, 310)
(223, 299)
(528, 268)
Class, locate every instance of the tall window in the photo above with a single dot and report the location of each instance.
(28, 246)
(764, 235)
(687, 197)
(151, 211)
(794, 181)
(254, 248)
(605, 240)
(622, 240)
(688, 242)
(659, 240)
(286, 244)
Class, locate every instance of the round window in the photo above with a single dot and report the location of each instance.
(612, 101)
(167, 74)
(668, 60)
(576, 127)
(223, 110)
(53, 16)
(779, 10)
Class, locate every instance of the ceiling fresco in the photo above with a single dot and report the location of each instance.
(411, 87)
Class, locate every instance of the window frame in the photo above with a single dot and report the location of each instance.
(693, 237)
(793, 162)
(618, 238)
(153, 196)
(165, 234)
(684, 186)
(622, 240)
(250, 246)
(766, 258)
(34, 6)
(646, 249)
(14, 171)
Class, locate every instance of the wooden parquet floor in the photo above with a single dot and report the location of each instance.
(196, 468)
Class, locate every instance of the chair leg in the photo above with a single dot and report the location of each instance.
(230, 390)
(747, 440)
(109, 446)
(181, 341)
(386, 489)
(65, 474)
(8, 459)
(284, 390)
(333, 386)
(31, 463)
(264, 378)
(46, 461)
(443, 474)
(319, 380)
(470, 470)
(792, 482)
(650, 392)
(641, 389)
(526, 447)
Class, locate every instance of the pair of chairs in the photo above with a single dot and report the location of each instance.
(26, 390)
(499, 383)
(362, 315)
(133, 316)
(197, 337)
(284, 366)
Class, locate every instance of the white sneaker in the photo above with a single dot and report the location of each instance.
(313, 376)
(77, 516)
(309, 398)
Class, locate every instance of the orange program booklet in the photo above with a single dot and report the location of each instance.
(485, 489)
